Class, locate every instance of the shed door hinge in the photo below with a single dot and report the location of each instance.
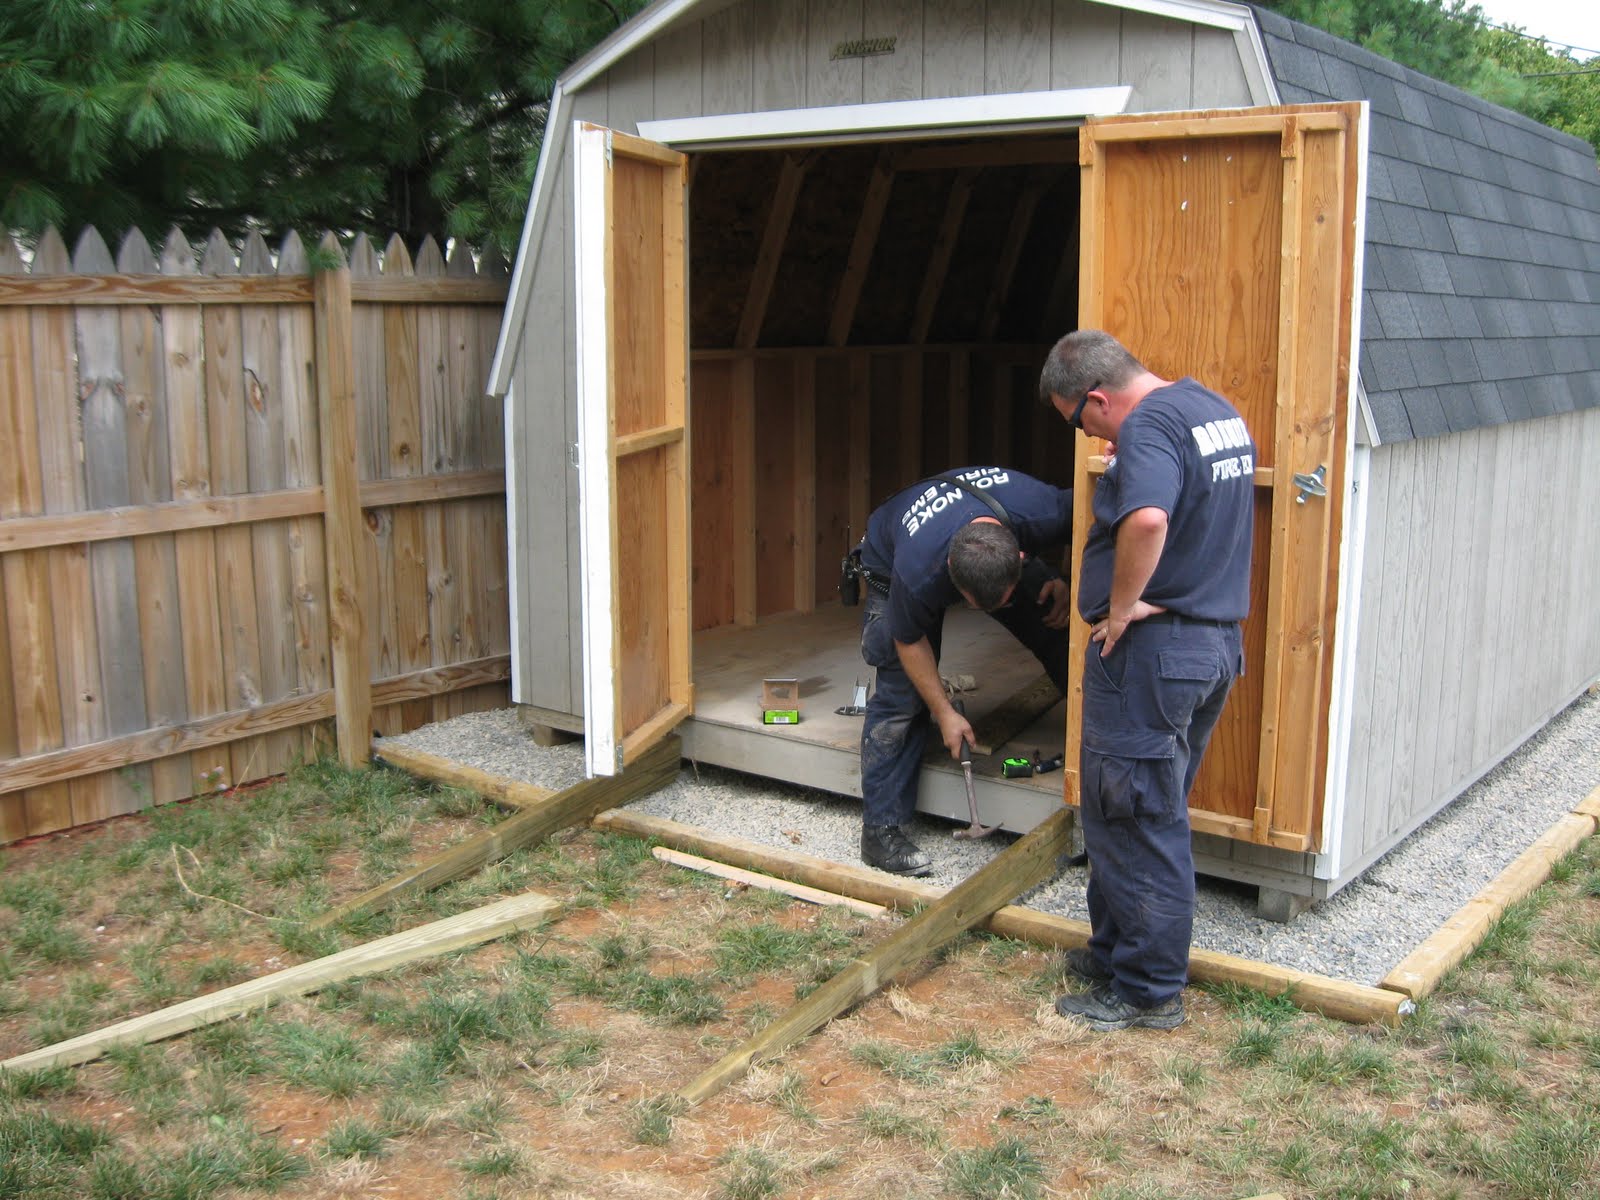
(574, 454)
(608, 149)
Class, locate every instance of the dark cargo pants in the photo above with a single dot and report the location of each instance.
(1148, 711)
(894, 734)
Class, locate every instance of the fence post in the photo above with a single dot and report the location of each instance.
(336, 419)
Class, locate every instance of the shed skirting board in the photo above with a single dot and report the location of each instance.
(1420, 971)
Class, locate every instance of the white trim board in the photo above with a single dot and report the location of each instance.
(591, 155)
(843, 120)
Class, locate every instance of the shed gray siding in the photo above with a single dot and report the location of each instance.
(1479, 618)
(759, 56)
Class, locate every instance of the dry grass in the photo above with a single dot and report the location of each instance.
(544, 1065)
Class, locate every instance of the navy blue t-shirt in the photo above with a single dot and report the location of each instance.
(1184, 450)
(908, 538)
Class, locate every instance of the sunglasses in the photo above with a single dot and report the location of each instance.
(1076, 419)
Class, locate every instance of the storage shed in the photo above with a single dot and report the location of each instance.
(782, 259)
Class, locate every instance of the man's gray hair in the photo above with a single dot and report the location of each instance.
(1084, 360)
(985, 562)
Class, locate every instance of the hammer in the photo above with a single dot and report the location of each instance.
(976, 829)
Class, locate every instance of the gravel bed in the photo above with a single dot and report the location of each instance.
(1358, 935)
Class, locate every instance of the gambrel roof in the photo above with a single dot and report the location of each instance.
(1482, 266)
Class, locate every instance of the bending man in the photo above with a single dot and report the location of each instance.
(928, 548)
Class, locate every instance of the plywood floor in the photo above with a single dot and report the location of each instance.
(822, 650)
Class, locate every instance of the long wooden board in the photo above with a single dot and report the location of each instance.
(1012, 871)
(1420, 971)
(532, 825)
(437, 937)
(1336, 998)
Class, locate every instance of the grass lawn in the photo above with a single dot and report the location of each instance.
(540, 1065)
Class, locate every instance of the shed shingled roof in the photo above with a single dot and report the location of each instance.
(1482, 268)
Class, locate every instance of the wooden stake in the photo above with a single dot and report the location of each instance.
(527, 828)
(437, 937)
(1335, 998)
(1015, 869)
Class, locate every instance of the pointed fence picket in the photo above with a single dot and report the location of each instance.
(220, 553)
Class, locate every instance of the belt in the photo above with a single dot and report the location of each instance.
(876, 582)
(1169, 618)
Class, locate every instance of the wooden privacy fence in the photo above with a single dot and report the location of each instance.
(239, 498)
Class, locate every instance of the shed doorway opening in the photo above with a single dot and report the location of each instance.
(861, 316)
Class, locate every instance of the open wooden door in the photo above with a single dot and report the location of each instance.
(633, 454)
(1222, 245)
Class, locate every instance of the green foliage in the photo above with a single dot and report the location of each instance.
(1452, 41)
(401, 116)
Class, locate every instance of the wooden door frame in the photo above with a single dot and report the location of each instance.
(608, 744)
(1301, 821)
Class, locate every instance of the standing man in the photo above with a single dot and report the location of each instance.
(1164, 583)
(930, 547)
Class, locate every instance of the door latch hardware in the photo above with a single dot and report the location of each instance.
(1312, 484)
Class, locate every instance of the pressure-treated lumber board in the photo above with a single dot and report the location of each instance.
(1015, 714)
(437, 937)
(509, 793)
(1334, 998)
(342, 523)
(1015, 869)
(770, 883)
(1420, 971)
(537, 821)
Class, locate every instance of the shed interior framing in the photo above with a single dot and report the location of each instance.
(862, 315)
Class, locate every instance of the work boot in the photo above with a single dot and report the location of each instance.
(1102, 1010)
(1081, 964)
(885, 847)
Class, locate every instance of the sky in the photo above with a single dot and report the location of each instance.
(1569, 22)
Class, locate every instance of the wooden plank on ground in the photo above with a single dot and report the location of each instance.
(1420, 971)
(437, 937)
(1015, 714)
(769, 883)
(538, 819)
(1015, 869)
(1334, 998)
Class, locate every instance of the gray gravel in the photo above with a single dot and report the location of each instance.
(1358, 935)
